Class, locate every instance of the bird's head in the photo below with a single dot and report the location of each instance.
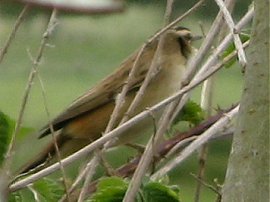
(184, 38)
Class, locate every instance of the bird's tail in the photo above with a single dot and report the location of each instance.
(45, 157)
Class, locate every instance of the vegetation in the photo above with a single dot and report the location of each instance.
(82, 51)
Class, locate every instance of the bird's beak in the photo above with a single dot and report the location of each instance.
(196, 37)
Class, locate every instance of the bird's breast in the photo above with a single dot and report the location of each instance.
(166, 82)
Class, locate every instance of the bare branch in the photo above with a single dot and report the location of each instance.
(89, 175)
(120, 100)
(47, 33)
(79, 178)
(206, 46)
(53, 132)
(171, 146)
(237, 40)
(226, 41)
(206, 104)
(86, 7)
(18, 22)
(218, 126)
(147, 156)
(206, 184)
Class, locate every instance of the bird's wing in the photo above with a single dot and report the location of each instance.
(105, 91)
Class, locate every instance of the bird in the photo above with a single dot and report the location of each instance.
(86, 118)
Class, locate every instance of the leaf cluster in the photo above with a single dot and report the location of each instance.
(113, 189)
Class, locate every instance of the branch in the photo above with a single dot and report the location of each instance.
(206, 104)
(149, 76)
(153, 142)
(169, 147)
(231, 25)
(87, 7)
(205, 46)
(18, 22)
(45, 38)
(226, 41)
(121, 98)
(202, 139)
(53, 134)
(206, 184)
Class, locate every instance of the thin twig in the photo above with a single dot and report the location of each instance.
(177, 20)
(53, 19)
(226, 41)
(197, 59)
(17, 24)
(89, 177)
(202, 139)
(121, 99)
(206, 104)
(201, 170)
(137, 99)
(152, 68)
(168, 12)
(231, 25)
(205, 46)
(227, 59)
(147, 156)
(171, 146)
(54, 136)
(206, 184)
(46, 35)
(202, 29)
(34, 192)
(213, 58)
(77, 181)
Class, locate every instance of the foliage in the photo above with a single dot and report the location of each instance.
(43, 190)
(5, 134)
(6, 127)
(191, 113)
(112, 189)
(244, 37)
(157, 192)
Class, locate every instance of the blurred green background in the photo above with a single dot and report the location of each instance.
(82, 51)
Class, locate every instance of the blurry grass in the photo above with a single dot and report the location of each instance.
(84, 50)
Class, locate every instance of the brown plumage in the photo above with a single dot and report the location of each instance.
(87, 117)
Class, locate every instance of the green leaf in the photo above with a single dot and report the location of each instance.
(157, 192)
(7, 126)
(48, 189)
(44, 190)
(244, 37)
(5, 134)
(23, 195)
(191, 113)
(23, 132)
(15, 197)
(110, 189)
